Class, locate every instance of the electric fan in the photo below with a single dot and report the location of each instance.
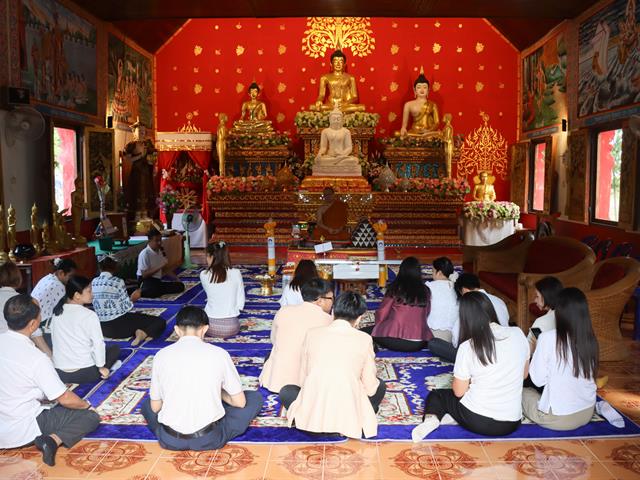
(23, 123)
(191, 221)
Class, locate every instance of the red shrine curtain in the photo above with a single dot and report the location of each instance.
(202, 158)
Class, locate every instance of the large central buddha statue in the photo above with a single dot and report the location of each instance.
(341, 86)
(253, 115)
(334, 156)
(423, 112)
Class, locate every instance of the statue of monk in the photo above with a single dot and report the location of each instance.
(253, 115)
(77, 207)
(423, 112)
(341, 86)
(140, 192)
(334, 156)
(331, 219)
(484, 191)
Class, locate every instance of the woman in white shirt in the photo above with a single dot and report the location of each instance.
(50, 289)
(225, 292)
(565, 364)
(79, 351)
(444, 301)
(492, 360)
(291, 294)
(547, 291)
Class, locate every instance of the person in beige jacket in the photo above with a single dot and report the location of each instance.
(290, 325)
(339, 391)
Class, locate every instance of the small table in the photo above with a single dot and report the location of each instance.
(487, 232)
(354, 274)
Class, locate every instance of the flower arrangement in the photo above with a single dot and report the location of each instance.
(438, 187)
(256, 140)
(168, 200)
(321, 120)
(258, 183)
(480, 211)
(412, 142)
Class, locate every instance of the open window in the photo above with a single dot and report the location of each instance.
(606, 177)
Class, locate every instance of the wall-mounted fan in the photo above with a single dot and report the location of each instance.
(23, 123)
(191, 221)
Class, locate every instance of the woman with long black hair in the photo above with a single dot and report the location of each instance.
(400, 319)
(565, 363)
(291, 295)
(492, 360)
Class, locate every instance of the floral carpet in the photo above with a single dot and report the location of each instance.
(408, 378)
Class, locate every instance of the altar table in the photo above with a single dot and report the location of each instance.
(38, 267)
(487, 232)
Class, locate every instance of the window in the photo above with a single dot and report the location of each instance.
(606, 195)
(65, 165)
(537, 177)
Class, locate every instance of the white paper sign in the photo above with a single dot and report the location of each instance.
(323, 247)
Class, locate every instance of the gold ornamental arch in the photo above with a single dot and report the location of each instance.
(331, 33)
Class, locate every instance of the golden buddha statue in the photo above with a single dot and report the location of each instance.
(341, 86)
(253, 116)
(221, 143)
(423, 112)
(484, 191)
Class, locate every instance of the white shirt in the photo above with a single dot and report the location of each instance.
(48, 291)
(77, 339)
(150, 260)
(5, 294)
(563, 393)
(26, 376)
(498, 305)
(545, 323)
(444, 305)
(495, 390)
(189, 377)
(290, 296)
(226, 299)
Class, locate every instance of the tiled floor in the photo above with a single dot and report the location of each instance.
(553, 460)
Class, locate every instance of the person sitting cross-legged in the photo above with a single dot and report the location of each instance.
(339, 391)
(27, 376)
(151, 263)
(196, 401)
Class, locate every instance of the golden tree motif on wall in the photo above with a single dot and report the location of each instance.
(485, 149)
(332, 33)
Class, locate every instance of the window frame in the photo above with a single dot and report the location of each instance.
(593, 171)
(532, 174)
(79, 131)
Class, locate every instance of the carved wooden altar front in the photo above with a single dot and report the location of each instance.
(252, 161)
(409, 162)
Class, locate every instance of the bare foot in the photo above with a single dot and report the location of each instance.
(140, 336)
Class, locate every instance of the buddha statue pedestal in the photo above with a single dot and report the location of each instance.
(428, 160)
(250, 156)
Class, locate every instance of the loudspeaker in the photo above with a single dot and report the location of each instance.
(564, 124)
(110, 121)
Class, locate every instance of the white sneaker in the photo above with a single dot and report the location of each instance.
(115, 366)
(430, 423)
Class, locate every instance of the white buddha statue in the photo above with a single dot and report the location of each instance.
(334, 156)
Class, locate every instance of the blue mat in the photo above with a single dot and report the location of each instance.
(408, 378)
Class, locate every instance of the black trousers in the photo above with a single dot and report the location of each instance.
(443, 349)
(70, 425)
(289, 393)
(91, 374)
(125, 326)
(395, 344)
(442, 401)
(154, 287)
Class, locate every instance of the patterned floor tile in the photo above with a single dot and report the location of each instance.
(123, 467)
(18, 467)
(240, 462)
(179, 467)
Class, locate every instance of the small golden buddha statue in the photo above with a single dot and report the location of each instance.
(221, 143)
(484, 191)
(253, 116)
(342, 88)
(423, 112)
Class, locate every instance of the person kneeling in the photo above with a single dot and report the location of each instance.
(491, 363)
(196, 400)
(565, 362)
(27, 376)
(340, 392)
(151, 263)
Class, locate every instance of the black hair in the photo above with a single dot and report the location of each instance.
(108, 264)
(63, 264)
(314, 288)
(76, 284)
(220, 262)
(468, 281)
(19, 311)
(421, 79)
(444, 265)
(190, 316)
(252, 86)
(338, 53)
(10, 275)
(153, 232)
(305, 270)
(549, 288)
(349, 306)
(408, 286)
(575, 333)
(476, 315)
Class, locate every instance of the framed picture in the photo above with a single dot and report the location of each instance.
(99, 159)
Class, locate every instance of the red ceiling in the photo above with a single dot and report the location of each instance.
(151, 22)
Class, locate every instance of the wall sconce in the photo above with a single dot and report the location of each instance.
(110, 121)
(564, 124)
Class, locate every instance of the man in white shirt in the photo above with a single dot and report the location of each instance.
(196, 401)
(151, 262)
(27, 376)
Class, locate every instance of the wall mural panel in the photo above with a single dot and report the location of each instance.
(58, 56)
(130, 84)
(609, 59)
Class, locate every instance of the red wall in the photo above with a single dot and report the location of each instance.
(475, 69)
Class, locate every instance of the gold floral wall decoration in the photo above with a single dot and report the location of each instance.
(330, 33)
(484, 149)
